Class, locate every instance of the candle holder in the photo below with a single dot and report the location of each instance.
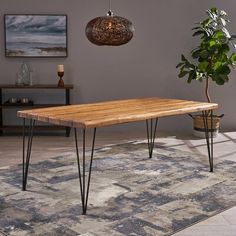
(60, 82)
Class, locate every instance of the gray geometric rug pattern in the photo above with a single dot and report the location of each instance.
(130, 194)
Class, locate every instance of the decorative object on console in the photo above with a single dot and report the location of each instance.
(24, 74)
(18, 79)
(12, 100)
(109, 30)
(60, 73)
(33, 35)
(18, 102)
(31, 78)
(24, 100)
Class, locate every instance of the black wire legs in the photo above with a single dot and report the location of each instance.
(209, 135)
(84, 191)
(151, 134)
(26, 159)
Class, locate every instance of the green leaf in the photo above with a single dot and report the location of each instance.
(220, 82)
(223, 13)
(209, 32)
(204, 54)
(223, 21)
(203, 66)
(206, 22)
(217, 65)
(221, 79)
(224, 48)
(191, 66)
(198, 33)
(233, 57)
(226, 79)
(195, 28)
(196, 53)
(212, 43)
(182, 74)
(199, 76)
(211, 14)
(183, 58)
(226, 32)
(180, 64)
(219, 35)
(214, 10)
(220, 57)
(225, 70)
(191, 76)
(189, 80)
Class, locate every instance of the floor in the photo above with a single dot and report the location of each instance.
(44, 147)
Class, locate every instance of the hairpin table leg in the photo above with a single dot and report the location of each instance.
(84, 190)
(209, 135)
(26, 159)
(151, 134)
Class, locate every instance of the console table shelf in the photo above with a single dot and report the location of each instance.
(20, 106)
(36, 86)
(25, 106)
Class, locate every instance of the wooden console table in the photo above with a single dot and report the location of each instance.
(111, 113)
(5, 106)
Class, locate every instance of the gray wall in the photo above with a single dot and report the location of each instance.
(144, 67)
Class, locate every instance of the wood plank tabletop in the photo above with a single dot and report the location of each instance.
(115, 112)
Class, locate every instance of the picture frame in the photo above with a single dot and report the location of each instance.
(35, 35)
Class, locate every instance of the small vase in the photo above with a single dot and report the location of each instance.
(60, 82)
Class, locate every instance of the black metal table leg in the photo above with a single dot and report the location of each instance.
(84, 190)
(1, 111)
(26, 158)
(209, 135)
(67, 103)
(151, 134)
(67, 132)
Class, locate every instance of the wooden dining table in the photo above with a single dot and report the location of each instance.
(100, 114)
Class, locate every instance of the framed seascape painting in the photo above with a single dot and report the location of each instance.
(35, 35)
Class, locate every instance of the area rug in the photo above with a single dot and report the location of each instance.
(130, 194)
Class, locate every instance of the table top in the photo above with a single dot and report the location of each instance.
(114, 112)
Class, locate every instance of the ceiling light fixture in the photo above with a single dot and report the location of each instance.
(109, 30)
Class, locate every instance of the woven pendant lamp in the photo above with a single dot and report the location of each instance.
(109, 30)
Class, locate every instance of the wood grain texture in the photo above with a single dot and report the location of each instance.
(115, 112)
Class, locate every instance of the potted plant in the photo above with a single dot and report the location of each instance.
(212, 59)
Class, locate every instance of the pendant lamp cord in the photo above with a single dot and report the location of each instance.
(109, 5)
(110, 12)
